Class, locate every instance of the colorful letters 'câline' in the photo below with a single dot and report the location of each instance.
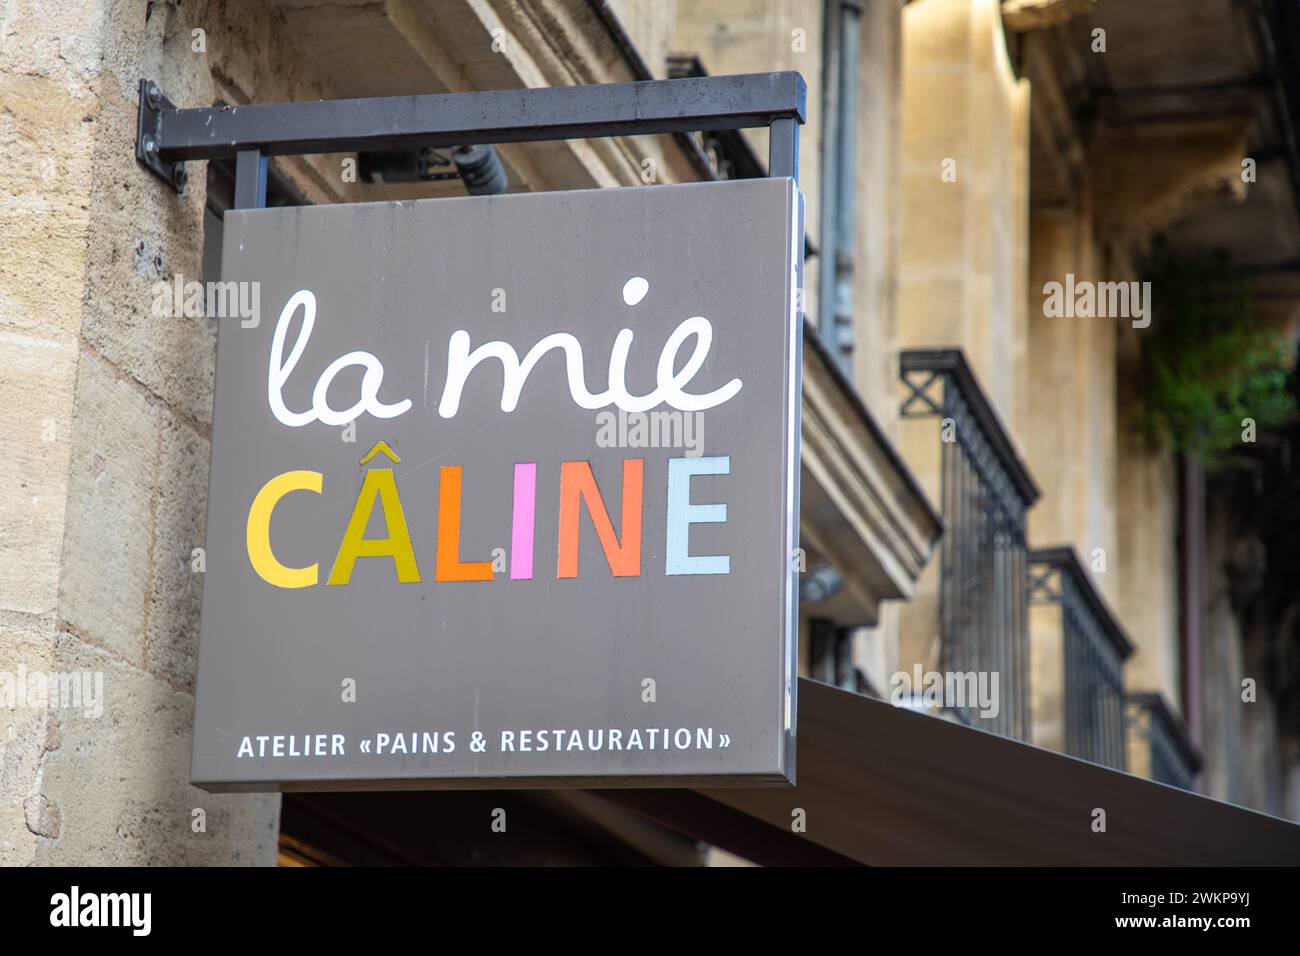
(578, 487)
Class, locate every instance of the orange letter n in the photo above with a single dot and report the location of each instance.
(577, 483)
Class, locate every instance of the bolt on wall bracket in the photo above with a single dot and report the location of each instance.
(148, 147)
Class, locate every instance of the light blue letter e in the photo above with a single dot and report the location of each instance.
(682, 514)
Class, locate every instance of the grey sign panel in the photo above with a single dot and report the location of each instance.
(504, 493)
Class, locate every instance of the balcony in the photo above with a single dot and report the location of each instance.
(1079, 654)
(862, 514)
(1159, 743)
(985, 491)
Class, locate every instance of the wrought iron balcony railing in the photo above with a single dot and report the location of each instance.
(985, 492)
(1166, 751)
(1092, 654)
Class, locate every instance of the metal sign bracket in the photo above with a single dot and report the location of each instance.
(167, 136)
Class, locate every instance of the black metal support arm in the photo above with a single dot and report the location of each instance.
(166, 136)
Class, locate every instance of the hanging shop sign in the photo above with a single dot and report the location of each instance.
(504, 491)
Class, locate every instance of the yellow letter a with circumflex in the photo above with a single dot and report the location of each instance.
(379, 484)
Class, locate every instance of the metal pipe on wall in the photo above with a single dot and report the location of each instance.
(1191, 540)
(846, 191)
(827, 223)
(841, 44)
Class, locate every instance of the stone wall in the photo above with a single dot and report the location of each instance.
(107, 435)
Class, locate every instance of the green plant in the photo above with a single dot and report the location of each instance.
(1208, 363)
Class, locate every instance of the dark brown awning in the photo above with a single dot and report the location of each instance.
(881, 785)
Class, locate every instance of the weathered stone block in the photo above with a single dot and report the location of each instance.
(26, 645)
(175, 588)
(121, 782)
(106, 546)
(35, 442)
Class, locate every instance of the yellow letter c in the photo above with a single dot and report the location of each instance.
(259, 530)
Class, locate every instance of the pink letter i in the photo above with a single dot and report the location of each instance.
(521, 534)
